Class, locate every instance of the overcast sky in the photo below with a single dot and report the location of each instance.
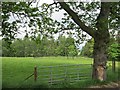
(56, 15)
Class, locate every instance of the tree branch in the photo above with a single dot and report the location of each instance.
(76, 19)
(51, 5)
(69, 28)
(102, 19)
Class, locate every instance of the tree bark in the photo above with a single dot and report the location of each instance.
(77, 19)
(113, 65)
(100, 59)
(101, 42)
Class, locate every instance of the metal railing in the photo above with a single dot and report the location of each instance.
(62, 73)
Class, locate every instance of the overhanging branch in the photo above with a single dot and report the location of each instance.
(102, 19)
(76, 19)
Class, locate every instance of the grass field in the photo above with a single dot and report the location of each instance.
(15, 70)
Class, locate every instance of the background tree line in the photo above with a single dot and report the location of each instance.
(27, 47)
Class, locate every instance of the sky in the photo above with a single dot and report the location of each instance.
(56, 16)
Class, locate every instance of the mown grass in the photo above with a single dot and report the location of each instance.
(15, 70)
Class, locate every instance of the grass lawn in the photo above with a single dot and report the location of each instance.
(15, 70)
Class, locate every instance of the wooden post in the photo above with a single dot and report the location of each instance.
(35, 73)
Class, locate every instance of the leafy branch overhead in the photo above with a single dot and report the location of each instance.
(83, 14)
(76, 19)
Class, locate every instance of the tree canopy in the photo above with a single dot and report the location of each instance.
(26, 15)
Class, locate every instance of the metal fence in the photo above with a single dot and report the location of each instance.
(62, 73)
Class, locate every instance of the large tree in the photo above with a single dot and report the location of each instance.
(97, 27)
(100, 34)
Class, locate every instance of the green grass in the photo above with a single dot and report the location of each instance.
(15, 70)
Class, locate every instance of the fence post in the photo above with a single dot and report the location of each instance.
(35, 73)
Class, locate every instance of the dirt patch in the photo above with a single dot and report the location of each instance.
(109, 85)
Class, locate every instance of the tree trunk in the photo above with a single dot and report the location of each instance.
(100, 35)
(113, 65)
(100, 58)
(101, 41)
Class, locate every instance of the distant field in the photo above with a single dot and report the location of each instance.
(15, 70)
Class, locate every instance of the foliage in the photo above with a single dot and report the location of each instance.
(114, 51)
(21, 10)
(44, 47)
(72, 51)
(26, 15)
(6, 50)
(87, 50)
(16, 15)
